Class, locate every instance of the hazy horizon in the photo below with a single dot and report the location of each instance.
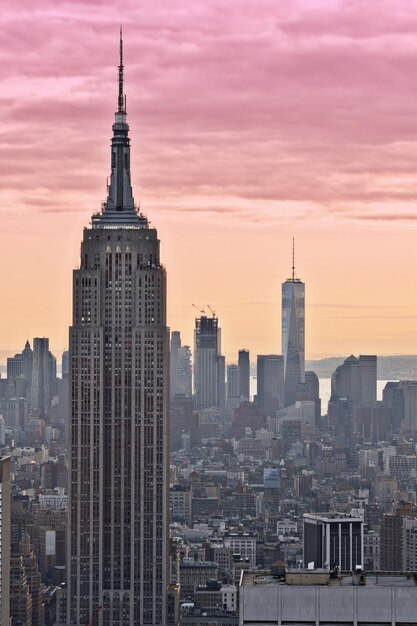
(251, 123)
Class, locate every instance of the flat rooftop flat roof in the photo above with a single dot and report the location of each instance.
(373, 579)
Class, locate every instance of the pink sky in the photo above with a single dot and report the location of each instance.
(251, 121)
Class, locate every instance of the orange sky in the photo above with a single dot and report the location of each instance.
(268, 123)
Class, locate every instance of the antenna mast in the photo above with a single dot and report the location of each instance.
(293, 260)
(122, 98)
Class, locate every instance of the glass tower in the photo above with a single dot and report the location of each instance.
(293, 330)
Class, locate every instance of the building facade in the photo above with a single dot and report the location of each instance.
(118, 378)
(270, 382)
(209, 366)
(333, 540)
(244, 374)
(4, 540)
(293, 335)
(304, 598)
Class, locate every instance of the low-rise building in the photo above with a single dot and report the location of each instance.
(306, 597)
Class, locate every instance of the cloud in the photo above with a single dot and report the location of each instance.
(304, 102)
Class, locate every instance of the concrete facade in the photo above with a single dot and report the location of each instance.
(4, 540)
(381, 601)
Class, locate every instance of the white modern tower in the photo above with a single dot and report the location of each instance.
(118, 446)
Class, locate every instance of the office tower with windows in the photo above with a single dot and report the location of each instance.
(355, 380)
(43, 378)
(368, 377)
(244, 374)
(4, 540)
(233, 381)
(118, 431)
(180, 368)
(333, 540)
(209, 365)
(270, 382)
(173, 362)
(293, 329)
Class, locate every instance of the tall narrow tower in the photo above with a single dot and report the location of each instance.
(209, 366)
(118, 445)
(293, 321)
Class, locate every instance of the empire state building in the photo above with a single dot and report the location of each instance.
(118, 446)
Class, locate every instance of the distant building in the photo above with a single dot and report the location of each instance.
(242, 545)
(409, 545)
(247, 415)
(310, 390)
(180, 368)
(333, 540)
(293, 331)
(402, 398)
(43, 378)
(34, 581)
(209, 366)
(4, 540)
(194, 574)
(233, 387)
(65, 364)
(371, 550)
(398, 537)
(355, 380)
(270, 382)
(244, 374)
(180, 504)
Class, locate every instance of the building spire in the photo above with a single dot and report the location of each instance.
(119, 207)
(293, 260)
(122, 97)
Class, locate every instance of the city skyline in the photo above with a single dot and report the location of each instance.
(229, 159)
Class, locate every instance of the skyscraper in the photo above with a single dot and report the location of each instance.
(244, 374)
(355, 379)
(209, 365)
(270, 382)
(118, 377)
(43, 377)
(173, 361)
(233, 381)
(293, 316)
(4, 540)
(180, 368)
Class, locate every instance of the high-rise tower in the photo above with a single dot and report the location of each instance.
(118, 445)
(293, 316)
(4, 541)
(209, 365)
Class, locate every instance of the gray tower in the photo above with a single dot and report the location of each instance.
(293, 316)
(43, 377)
(4, 541)
(244, 374)
(209, 365)
(270, 382)
(118, 380)
(180, 368)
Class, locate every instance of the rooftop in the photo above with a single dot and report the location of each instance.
(320, 577)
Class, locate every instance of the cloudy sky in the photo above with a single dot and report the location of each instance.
(252, 121)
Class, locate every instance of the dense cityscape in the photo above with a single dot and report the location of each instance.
(152, 482)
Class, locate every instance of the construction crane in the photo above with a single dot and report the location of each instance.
(211, 310)
(202, 311)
